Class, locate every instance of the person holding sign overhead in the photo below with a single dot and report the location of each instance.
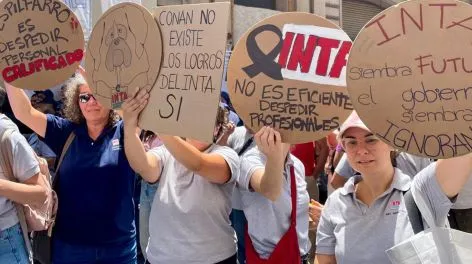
(189, 221)
(95, 220)
(275, 201)
(368, 216)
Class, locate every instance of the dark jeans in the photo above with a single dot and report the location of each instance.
(64, 253)
(238, 221)
(461, 219)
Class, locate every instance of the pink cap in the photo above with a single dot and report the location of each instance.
(352, 121)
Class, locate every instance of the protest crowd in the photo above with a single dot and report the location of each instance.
(116, 192)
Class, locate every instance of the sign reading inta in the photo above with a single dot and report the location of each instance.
(41, 43)
(288, 71)
(409, 77)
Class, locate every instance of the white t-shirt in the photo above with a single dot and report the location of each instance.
(189, 221)
(24, 167)
(236, 141)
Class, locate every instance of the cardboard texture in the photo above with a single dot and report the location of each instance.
(41, 43)
(408, 77)
(124, 54)
(184, 100)
(288, 72)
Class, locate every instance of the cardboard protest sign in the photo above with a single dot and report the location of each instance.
(288, 72)
(184, 100)
(41, 43)
(409, 77)
(124, 54)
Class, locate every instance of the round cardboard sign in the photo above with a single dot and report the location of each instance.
(123, 54)
(409, 77)
(288, 72)
(41, 43)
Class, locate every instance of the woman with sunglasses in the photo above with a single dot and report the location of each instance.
(189, 220)
(368, 215)
(95, 220)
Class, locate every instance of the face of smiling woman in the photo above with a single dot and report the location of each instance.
(366, 153)
(92, 110)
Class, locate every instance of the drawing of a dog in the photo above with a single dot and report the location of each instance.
(120, 60)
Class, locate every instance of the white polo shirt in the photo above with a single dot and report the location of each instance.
(358, 234)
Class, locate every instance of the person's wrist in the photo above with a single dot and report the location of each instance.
(130, 127)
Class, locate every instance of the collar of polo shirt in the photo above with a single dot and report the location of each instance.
(400, 182)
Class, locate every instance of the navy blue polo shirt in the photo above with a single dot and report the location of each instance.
(96, 185)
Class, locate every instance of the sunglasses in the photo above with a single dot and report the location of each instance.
(85, 97)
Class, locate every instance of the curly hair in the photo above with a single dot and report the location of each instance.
(71, 104)
(222, 116)
(221, 122)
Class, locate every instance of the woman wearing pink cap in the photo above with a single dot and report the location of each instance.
(368, 215)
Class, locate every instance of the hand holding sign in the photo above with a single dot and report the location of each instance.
(133, 106)
(41, 43)
(416, 97)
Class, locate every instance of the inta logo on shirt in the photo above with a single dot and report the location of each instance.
(393, 207)
(115, 144)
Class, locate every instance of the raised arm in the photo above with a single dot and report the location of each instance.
(24, 112)
(146, 164)
(268, 181)
(211, 166)
(452, 174)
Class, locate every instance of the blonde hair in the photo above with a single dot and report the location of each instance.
(71, 104)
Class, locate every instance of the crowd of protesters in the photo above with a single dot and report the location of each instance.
(132, 196)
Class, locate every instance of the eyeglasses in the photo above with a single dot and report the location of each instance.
(85, 97)
(352, 144)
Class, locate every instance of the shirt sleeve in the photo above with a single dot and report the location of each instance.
(250, 162)
(162, 155)
(24, 161)
(231, 159)
(57, 131)
(426, 184)
(325, 238)
(344, 169)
